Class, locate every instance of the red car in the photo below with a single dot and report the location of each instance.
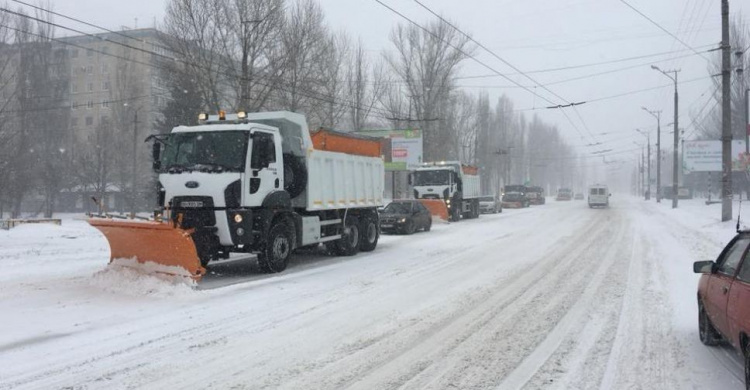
(724, 299)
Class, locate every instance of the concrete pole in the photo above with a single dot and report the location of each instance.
(675, 178)
(726, 115)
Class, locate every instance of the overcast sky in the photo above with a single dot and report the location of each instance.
(536, 35)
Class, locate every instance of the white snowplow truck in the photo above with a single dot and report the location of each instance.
(252, 183)
(455, 184)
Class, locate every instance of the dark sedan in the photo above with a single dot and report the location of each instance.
(406, 217)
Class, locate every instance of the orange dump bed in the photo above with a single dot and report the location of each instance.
(336, 141)
(469, 170)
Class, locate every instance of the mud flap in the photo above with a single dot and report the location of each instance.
(155, 246)
(437, 208)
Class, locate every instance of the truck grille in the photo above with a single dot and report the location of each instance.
(196, 211)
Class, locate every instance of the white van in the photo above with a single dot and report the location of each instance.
(599, 196)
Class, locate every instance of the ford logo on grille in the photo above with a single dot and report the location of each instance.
(192, 184)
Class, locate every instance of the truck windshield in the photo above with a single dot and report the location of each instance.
(216, 151)
(431, 177)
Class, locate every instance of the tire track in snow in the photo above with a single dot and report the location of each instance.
(518, 378)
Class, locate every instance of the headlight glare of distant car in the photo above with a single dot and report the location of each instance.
(402, 220)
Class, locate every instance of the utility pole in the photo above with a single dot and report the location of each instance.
(657, 114)
(675, 177)
(133, 171)
(648, 153)
(726, 115)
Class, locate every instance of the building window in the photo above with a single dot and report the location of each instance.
(89, 52)
(104, 120)
(90, 104)
(73, 88)
(105, 103)
(74, 105)
(90, 87)
(74, 53)
(105, 68)
(105, 49)
(90, 69)
(105, 86)
(89, 121)
(74, 122)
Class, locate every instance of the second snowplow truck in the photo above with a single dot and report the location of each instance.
(253, 183)
(450, 184)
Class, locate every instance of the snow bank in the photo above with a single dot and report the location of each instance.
(127, 276)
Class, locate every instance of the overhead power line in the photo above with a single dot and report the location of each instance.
(613, 61)
(567, 102)
(663, 29)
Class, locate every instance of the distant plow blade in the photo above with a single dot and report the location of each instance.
(437, 208)
(151, 247)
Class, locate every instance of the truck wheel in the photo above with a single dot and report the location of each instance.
(706, 330)
(295, 175)
(429, 225)
(369, 234)
(349, 243)
(277, 251)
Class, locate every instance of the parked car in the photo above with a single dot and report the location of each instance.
(536, 195)
(723, 296)
(578, 196)
(599, 196)
(490, 204)
(564, 194)
(405, 217)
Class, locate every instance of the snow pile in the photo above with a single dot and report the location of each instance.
(121, 278)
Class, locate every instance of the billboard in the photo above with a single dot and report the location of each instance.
(705, 156)
(402, 148)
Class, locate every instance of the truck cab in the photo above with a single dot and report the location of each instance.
(454, 183)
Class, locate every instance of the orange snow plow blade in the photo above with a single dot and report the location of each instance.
(155, 246)
(437, 208)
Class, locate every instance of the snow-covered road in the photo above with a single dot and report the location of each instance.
(556, 296)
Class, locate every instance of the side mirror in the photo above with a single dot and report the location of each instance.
(704, 267)
(410, 179)
(610, 194)
(156, 154)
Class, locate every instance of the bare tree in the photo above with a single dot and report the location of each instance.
(366, 84)
(250, 31)
(427, 62)
(193, 37)
(303, 42)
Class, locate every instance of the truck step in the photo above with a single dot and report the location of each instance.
(330, 222)
(330, 238)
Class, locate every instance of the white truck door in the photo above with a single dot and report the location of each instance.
(265, 175)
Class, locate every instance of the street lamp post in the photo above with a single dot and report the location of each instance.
(648, 169)
(676, 133)
(657, 115)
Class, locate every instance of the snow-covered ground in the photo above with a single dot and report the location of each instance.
(556, 296)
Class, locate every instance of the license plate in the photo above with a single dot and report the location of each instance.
(386, 225)
(191, 204)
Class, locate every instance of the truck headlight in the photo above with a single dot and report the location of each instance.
(238, 218)
(447, 201)
(402, 220)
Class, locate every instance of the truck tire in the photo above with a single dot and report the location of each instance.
(295, 175)
(369, 233)
(349, 243)
(278, 249)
